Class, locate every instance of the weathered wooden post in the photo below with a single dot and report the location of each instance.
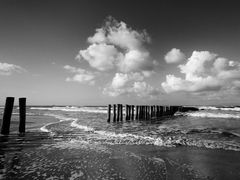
(157, 111)
(167, 110)
(7, 115)
(118, 112)
(130, 112)
(163, 110)
(140, 111)
(145, 113)
(109, 113)
(121, 112)
(126, 112)
(22, 115)
(133, 107)
(151, 111)
(137, 115)
(148, 112)
(114, 113)
(160, 111)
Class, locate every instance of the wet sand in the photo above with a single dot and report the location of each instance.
(40, 156)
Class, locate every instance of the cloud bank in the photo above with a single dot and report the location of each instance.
(7, 69)
(204, 71)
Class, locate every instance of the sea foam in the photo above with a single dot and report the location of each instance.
(212, 115)
(73, 109)
(219, 108)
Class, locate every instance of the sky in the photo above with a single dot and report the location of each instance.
(93, 52)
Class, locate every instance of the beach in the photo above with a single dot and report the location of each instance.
(78, 143)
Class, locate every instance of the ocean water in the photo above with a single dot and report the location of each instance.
(211, 127)
(78, 127)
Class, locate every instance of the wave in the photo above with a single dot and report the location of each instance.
(219, 108)
(73, 109)
(113, 138)
(180, 139)
(225, 133)
(61, 119)
(212, 115)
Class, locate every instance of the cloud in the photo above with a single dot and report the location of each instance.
(7, 69)
(80, 75)
(117, 46)
(121, 79)
(130, 83)
(204, 71)
(101, 56)
(174, 56)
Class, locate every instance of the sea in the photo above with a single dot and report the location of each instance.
(65, 131)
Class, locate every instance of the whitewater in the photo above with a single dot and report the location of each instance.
(210, 127)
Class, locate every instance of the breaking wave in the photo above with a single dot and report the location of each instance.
(212, 115)
(182, 139)
(220, 108)
(73, 109)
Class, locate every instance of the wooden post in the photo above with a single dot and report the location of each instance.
(7, 115)
(167, 110)
(114, 113)
(109, 113)
(133, 107)
(151, 112)
(157, 111)
(118, 112)
(149, 116)
(145, 113)
(121, 112)
(22, 115)
(161, 111)
(126, 112)
(137, 112)
(130, 112)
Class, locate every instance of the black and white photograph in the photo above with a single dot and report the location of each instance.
(119, 90)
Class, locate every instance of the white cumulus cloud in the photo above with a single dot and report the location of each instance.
(174, 56)
(80, 75)
(7, 69)
(115, 45)
(130, 83)
(204, 71)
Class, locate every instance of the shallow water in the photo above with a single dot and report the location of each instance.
(174, 147)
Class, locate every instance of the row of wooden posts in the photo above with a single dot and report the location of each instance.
(140, 112)
(5, 129)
